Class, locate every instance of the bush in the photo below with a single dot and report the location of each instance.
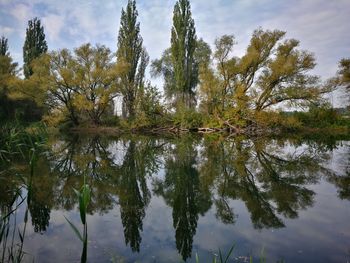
(319, 117)
(188, 118)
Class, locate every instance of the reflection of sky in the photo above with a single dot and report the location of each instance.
(319, 234)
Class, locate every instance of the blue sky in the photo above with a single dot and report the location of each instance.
(322, 26)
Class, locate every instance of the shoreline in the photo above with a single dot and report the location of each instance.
(304, 131)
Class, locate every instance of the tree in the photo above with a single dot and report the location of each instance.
(131, 51)
(4, 47)
(270, 73)
(183, 46)
(344, 72)
(164, 67)
(34, 45)
(8, 75)
(148, 106)
(80, 86)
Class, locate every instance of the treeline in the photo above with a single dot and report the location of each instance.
(204, 89)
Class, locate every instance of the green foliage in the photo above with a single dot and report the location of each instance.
(34, 45)
(8, 76)
(179, 64)
(183, 46)
(271, 72)
(187, 118)
(80, 87)
(134, 55)
(320, 117)
(344, 72)
(275, 120)
(84, 197)
(222, 258)
(19, 141)
(164, 67)
(4, 47)
(150, 111)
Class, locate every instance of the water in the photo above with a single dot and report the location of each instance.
(167, 199)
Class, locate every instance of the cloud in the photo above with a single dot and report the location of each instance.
(22, 12)
(320, 25)
(5, 30)
(53, 26)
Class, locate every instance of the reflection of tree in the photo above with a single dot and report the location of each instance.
(40, 214)
(132, 199)
(108, 179)
(139, 162)
(341, 177)
(76, 156)
(41, 197)
(272, 183)
(342, 182)
(182, 191)
(271, 177)
(9, 188)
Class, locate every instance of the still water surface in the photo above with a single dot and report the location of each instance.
(167, 199)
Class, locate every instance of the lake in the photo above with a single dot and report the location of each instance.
(168, 199)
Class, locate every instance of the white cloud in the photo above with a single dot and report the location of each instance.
(22, 12)
(5, 30)
(53, 26)
(320, 25)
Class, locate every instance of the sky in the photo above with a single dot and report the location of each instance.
(322, 26)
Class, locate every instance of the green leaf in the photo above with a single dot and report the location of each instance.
(76, 192)
(82, 209)
(76, 231)
(20, 236)
(229, 253)
(86, 195)
(220, 255)
(84, 253)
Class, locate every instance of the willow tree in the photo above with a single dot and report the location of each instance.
(271, 72)
(80, 86)
(34, 45)
(131, 52)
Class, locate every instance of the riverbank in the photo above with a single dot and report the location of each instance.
(248, 131)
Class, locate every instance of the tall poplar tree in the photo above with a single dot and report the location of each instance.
(131, 52)
(183, 45)
(4, 47)
(34, 45)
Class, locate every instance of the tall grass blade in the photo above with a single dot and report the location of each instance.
(84, 254)
(75, 229)
(220, 255)
(229, 254)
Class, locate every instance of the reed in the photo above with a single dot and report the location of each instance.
(84, 196)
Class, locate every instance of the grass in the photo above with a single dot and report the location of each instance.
(15, 140)
(84, 196)
(225, 258)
